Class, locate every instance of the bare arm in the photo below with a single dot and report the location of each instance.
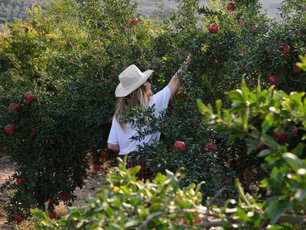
(113, 147)
(174, 83)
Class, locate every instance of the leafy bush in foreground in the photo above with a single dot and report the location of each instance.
(125, 203)
(70, 55)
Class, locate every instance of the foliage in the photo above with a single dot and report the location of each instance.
(273, 125)
(220, 60)
(125, 203)
(56, 58)
(70, 55)
(302, 64)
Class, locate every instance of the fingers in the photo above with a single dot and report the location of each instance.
(188, 59)
(184, 66)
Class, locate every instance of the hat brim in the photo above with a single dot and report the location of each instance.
(124, 91)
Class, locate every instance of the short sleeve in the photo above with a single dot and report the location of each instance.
(161, 99)
(112, 138)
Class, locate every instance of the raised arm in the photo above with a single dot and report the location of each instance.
(174, 83)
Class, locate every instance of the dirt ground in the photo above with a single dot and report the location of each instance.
(7, 166)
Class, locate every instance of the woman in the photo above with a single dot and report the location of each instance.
(134, 91)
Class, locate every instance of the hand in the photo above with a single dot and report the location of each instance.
(177, 77)
(184, 66)
(188, 60)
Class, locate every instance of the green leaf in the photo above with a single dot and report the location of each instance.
(293, 161)
(245, 119)
(98, 209)
(300, 194)
(236, 96)
(131, 224)
(156, 206)
(218, 107)
(275, 209)
(242, 215)
(241, 193)
(127, 205)
(267, 123)
(160, 178)
(264, 183)
(184, 204)
(202, 107)
(298, 149)
(245, 90)
(264, 153)
(135, 170)
(108, 211)
(134, 201)
(205, 110)
(125, 189)
(302, 64)
(198, 187)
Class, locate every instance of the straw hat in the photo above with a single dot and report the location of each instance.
(130, 79)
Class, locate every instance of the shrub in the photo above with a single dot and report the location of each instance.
(272, 123)
(71, 79)
(70, 57)
(125, 203)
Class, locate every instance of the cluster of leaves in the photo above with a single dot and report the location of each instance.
(273, 125)
(126, 203)
(70, 57)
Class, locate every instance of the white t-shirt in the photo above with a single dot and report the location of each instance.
(122, 137)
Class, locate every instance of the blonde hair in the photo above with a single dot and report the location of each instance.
(139, 98)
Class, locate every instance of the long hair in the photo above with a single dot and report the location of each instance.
(139, 98)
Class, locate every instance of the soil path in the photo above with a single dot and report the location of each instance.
(6, 170)
(92, 184)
